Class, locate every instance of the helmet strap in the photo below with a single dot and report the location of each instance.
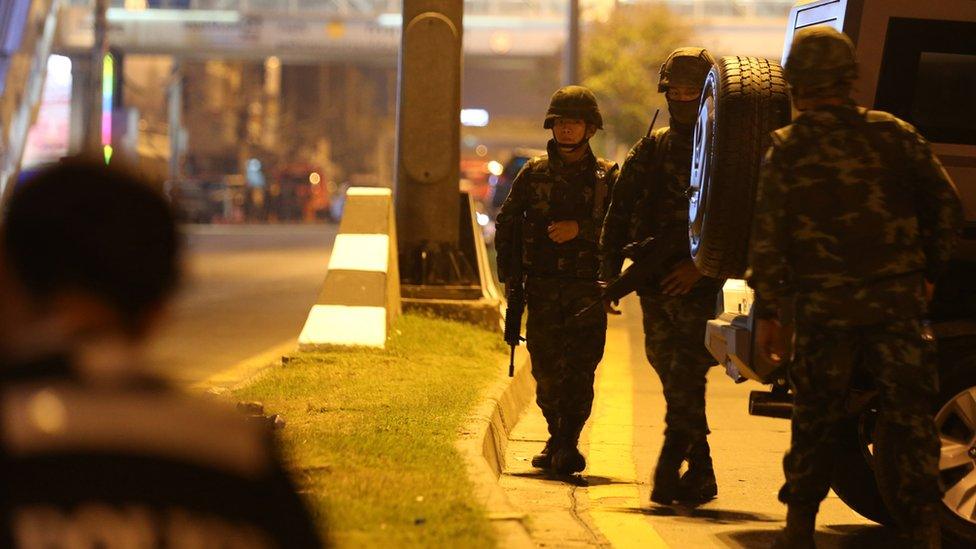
(570, 147)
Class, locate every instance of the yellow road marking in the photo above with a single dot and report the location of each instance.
(616, 507)
(237, 374)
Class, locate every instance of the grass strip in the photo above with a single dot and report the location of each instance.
(370, 433)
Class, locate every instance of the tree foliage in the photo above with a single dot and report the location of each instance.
(621, 59)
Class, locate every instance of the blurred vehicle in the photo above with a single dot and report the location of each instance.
(299, 192)
(502, 184)
(474, 179)
(200, 200)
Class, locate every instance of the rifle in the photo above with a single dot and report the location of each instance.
(649, 257)
(653, 120)
(515, 296)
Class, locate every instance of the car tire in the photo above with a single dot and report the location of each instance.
(853, 478)
(955, 421)
(743, 100)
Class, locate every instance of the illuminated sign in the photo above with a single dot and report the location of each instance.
(108, 95)
(48, 137)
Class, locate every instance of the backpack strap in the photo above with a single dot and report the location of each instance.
(601, 189)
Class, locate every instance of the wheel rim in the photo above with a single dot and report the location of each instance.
(956, 424)
(700, 163)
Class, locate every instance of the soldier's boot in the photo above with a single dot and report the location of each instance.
(698, 483)
(567, 458)
(543, 460)
(800, 524)
(666, 479)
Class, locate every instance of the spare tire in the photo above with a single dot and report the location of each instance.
(743, 100)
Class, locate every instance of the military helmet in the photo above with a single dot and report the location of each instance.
(685, 67)
(573, 102)
(821, 57)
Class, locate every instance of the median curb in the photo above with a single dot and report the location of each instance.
(482, 441)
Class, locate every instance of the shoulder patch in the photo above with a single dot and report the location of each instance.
(538, 163)
(606, 166)
(39, 419)
(888, 119)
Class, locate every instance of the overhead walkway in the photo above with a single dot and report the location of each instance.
(307, 30)
(360, 30)
(27, 29)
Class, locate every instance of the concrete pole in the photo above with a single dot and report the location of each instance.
(174, 112)
(571, 62)
(428, 132)
(92, 114)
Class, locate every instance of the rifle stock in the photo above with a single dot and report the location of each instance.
(649, 257)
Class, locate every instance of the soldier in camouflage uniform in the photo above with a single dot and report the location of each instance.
(650, 199)
(558, 201)
(854, 215)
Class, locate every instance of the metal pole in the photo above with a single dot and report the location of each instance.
(175, 115)
(571, 69)
(93, 102)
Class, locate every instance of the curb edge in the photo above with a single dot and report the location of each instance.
(482, 442)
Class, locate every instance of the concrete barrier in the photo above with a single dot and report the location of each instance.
(482, 443)
(360, 297)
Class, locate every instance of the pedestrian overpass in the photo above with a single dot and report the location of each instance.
(305, 30)
(313, 31)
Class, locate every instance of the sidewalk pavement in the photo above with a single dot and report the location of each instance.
(608, 505)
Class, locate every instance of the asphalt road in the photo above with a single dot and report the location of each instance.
(248, 289)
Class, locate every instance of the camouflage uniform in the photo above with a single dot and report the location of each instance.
(650, 199)
(853, 212)
(561, 279)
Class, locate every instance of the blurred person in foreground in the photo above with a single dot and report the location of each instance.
(94, 452)
(855, 215)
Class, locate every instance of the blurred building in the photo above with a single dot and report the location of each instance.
(203, 86)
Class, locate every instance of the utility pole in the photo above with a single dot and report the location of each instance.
(92, 122)
(428, 143)
(571, 68)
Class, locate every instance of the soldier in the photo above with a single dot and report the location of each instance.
(556, 204)
(855, 215)
(651, 199)
(93, 451)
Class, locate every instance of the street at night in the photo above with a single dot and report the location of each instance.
(306, 274)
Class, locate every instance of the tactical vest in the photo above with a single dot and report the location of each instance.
(554, 194)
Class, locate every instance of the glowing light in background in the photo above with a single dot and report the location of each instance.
(474, 117)
(108, 95)
(483, 219)
(495, 167)
(314, 178)
(481, 150)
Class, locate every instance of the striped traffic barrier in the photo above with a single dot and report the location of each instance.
(360, 297)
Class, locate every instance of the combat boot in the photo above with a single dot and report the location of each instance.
(567, 458)
(543, 460)
(800, 524)
(666, 480)
(698, 483)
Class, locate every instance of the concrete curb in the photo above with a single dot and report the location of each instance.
(482, 441)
